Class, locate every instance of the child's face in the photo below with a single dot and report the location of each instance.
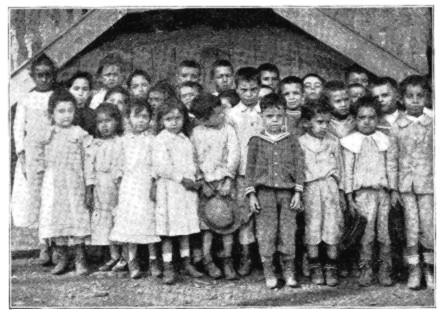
(318, 125)
(273, 118)
(293, 94)
(340, 102)
(140, 121)
(156, 99)
(312, 87)
(173, 121)
(187, 94)
(223, 78)
(118, 99)
(264, 91)
(248, 92)
(81, 90)
(225, 103)
(43, 77)
(386, 96)
(356, 92)
(111, 76)
(366, 120)
(139, 87)
(217, 118)
(188, 74)
(414, 100)
(360, 78)
(106, 125)
(270, 79)
(64, 114)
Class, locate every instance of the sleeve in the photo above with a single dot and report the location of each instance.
(87, 148)
(251, 163)
(90, 159)
(19, 127)
(233, 152)
(299, 166)
(392, 163)
(197, 154)
(162, 164)
(349, 160)
(340, 165)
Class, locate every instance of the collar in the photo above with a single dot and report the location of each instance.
(314, 144)
(354, 141)
(293, 112)
(273, 139)
(349, 120)
(391, 118)
(245, 108)
(406, 120)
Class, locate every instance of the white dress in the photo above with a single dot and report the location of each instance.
(134, 217)
(176, 207)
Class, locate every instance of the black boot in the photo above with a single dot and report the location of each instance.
(288, 268)
(45, 255)
(169, 273)
(62, 263)
(190, 269)
(331, 276)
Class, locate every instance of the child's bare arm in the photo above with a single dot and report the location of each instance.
(296, 201)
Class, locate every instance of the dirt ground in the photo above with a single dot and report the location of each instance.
(32, 286)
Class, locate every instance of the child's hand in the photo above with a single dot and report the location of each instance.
(89, 198)
(225, 189)
(189, 184)
(153, 191)
(207, 191)
(22, 161)
(254, 205)
(396, 198)
(295, 201)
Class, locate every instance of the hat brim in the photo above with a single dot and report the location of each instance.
(228, 229)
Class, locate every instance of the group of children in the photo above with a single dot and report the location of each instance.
(172, 164)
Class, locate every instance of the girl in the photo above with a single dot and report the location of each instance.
(103, 162)
(176, 197)
(110, 75)
(80, 85)
(64, 217)
(134, 220)
(31, 120)
(138, 84)
(120, 97)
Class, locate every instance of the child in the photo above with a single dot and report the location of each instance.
(119, 96)
(274, 177)
(156, 97)
(31, 120)
(370, 172)
(356, 91)
(222, 74)
(312, 86)
(80, 86)
(64, 217)
(356, 74)
(176, 196)
(187, 91)
(110, 75)
(229, 99)
(138, 84)
(247, 122)
(218, 157)
(264, 90)
(385, 90)
(134, 216)
(413, 133)
(323, 190)
(269, 75)
(291, 88)
(188, 70)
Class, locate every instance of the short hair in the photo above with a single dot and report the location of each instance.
(315, 75)
(169, 105)
(247, 74)
(190, 63)
(137, 106)
(231, 95)
(220, 63)
(112, 59)
(314, 107)
(42, 59)
(166, 88)
(384, 81)
(290, 80)
(113, 111)
(414, 80)
(117, 89)
(59, 95)
(193, 85)
(366, 101)
(203, 105)
(333, 86)
(80, 75)
(272, 100)
(135, 73)
(355, 68)
(270, 67)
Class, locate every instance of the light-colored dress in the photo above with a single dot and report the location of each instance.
(63, 211)
(31, 122)
(104, 163)
(134, 216)
(176, 208)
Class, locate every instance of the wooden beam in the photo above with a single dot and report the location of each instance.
(65, 47)
(347, 42)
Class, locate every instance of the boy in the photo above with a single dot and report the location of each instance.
(188, 70)
(356, 74)
(356, 91)
(187, 91)
(291, 88)
(413, 133)
(269, 75)
(274, 189)
(222, 73)
(312, 86)
(247, 122)
(370, 173)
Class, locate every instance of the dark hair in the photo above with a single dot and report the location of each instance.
(231, 95)
(166, 88)
(355, 68)
(272, 100)
(333, 86)
(414, 80)
(366, 101)
(315, 75)
(193, 85)
(190, 63)
(79, 75)
(42, 59)
(203, 105)
(247, 74)
(314, 107)
(137, 106)
(117, 89)
(384, 81)
(220, 63)
(270, 67)
(136, 73)
(169, 105)
(112, 59)
(59, 95)
(290, 80)
(113, 112)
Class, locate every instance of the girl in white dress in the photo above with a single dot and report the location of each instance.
(176, 197)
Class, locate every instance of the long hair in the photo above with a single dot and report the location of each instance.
(169, 105)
